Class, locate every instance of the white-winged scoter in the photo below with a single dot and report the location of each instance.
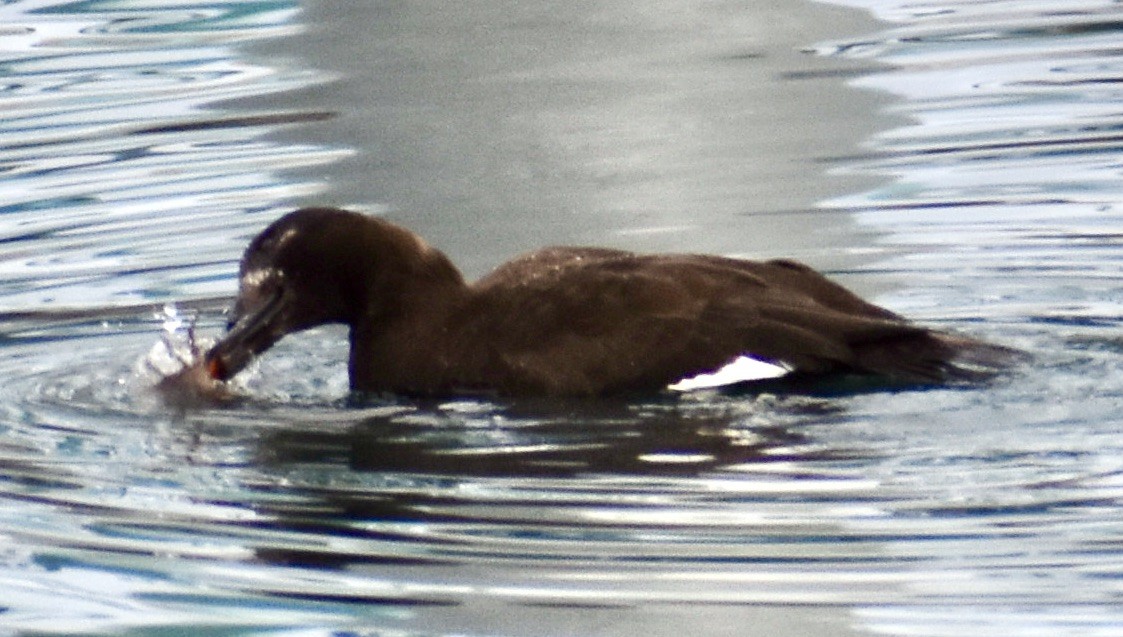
(565, 320)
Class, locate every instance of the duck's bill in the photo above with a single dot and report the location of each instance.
(252, 333)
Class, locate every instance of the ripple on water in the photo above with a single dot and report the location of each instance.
(941, 512)
(107, 142)
(406, 505)
(316, 504)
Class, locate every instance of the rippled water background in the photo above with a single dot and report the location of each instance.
(982, 193)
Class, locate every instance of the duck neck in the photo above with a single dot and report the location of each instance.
(395, 273)
(409, 291)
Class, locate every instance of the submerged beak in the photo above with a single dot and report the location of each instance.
(252, 333)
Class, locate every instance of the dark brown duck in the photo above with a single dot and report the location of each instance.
(565, 321)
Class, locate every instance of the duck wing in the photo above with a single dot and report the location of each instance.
(590, 320)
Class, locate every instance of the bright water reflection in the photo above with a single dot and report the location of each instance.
(1005, 199)
(98, 173)
(942, 512)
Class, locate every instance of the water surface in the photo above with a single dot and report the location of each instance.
(134, 168)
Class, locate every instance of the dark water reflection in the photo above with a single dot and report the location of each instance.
(951, 511)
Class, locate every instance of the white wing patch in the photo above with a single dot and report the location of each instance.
(740, 370)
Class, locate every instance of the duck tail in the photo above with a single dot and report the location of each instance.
(972, 359)
(935, 357)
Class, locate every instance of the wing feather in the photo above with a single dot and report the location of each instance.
(592, 320)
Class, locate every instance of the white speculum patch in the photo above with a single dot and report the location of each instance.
(742, 369)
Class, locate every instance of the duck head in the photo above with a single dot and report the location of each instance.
(293, 276)
(316, 266)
